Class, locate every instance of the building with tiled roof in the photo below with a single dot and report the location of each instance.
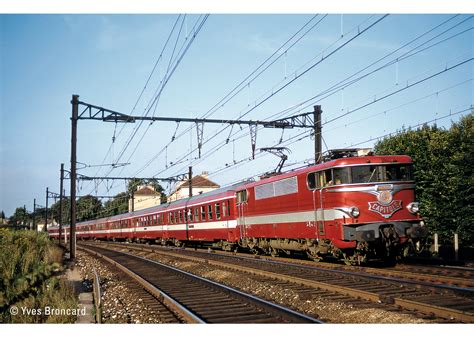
(200, 184)
(144, 197)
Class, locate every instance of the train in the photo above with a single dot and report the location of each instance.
(353, 208)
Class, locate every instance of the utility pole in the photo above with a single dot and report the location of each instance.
(60, 218)
(34, 214)
(46, 211)
(190, 179)
(72, 232)
(317, 134)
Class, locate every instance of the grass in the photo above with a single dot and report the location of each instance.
(27, 263)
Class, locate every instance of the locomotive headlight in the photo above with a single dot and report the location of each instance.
(355, 212)
(413, 207)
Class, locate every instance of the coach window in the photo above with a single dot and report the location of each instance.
(241, 196)
(180, 216)
(218, 211)
(203, 213)
(209, 212)
(224, 209)
(190, 215)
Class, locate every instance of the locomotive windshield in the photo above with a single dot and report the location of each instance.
(360, 174)
(381, 173)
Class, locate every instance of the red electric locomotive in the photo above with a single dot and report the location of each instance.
(351, 208)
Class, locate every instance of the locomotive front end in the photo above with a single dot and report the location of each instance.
(380, 215)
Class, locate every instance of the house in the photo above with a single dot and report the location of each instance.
(144, 197)
(200, 184)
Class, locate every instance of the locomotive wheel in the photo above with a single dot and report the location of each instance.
(355, 259)
(255, 251)
(314, 256)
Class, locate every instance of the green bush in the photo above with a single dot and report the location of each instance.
(27, 262)
(443, 162)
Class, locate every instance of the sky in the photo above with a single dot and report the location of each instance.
(107, 59)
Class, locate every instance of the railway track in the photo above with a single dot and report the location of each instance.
(428, 298)
(196, 299)
(164, 313)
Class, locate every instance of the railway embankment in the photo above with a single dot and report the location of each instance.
(32, 289)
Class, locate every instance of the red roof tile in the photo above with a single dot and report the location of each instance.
(199, 181)
(146, 191)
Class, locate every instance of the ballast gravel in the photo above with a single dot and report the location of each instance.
(316, 305)
(120, 304)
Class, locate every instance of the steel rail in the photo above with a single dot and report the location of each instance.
(395, 298)
(280, 311)
(167, 300)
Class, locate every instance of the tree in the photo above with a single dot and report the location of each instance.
(88, 208)
(20, 217)
(443, 167)
(66, 213)
(117, 205)
(2, 215)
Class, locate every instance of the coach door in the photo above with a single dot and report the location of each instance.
(241, 211)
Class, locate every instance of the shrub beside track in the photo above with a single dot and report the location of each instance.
(29, 262)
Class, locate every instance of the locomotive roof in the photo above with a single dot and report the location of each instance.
(340, 162)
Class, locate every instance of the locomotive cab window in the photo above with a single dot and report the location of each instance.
(311, 180)
(241, 196)
(325, 178)
(381, 173)
(341, 175)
